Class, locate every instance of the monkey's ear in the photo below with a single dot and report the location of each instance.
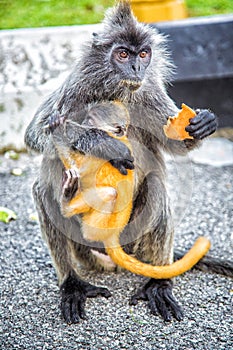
(99, 39)
(94, 35)
(96, 39)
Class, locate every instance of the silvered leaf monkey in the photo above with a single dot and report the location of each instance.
(127, 61)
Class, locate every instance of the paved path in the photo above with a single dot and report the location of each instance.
(29, 306)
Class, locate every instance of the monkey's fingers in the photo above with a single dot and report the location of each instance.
(54, 120)
(73, 298)
(122, 165)
(117, 163)
(202, 125)
(128, 164)
(74, 293)
(72, 307)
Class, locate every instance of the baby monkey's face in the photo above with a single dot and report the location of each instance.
(111, 117)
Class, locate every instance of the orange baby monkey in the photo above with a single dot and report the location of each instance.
(102, 195)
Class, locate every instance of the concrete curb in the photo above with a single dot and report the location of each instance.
(33, 62)
(202, 49)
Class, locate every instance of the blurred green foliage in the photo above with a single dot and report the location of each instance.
(40, 13)
(209, 7)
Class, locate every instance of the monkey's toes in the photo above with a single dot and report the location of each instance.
(160, 299)
(93, 291)
(139, 295)
(73, 307)
(74, 293)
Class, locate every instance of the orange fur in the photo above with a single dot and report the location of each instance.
(104, 200)
(198, 250)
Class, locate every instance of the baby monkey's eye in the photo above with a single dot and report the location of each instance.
(119, 131)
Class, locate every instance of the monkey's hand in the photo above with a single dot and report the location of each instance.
(74, 293)
(54, 120)
(202, 125)
(99, 144)
(160, 299)
(123, 164)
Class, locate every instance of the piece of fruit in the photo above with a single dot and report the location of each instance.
(175, 127)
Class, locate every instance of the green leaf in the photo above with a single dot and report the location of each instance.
(33, 217)
(12, 155)
(7, 214)
(17, 171)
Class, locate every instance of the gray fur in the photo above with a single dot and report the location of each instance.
(149, 235)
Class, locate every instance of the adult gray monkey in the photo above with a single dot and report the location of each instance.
(128, 62)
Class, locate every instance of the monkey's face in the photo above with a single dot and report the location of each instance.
(130, 63)
(115, 130)
(111, 117)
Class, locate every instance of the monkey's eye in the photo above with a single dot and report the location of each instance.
(123, 55)
(119, 131)
(88, 122)
(143, 54)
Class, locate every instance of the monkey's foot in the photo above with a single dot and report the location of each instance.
(55, 119)
(74, 293)
(160, 299)
(70, 184)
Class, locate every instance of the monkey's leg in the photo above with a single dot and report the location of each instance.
(155, 246)
(74, 290)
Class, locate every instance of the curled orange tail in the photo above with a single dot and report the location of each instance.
(198, 250)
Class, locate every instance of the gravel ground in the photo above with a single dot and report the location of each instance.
(29, 305)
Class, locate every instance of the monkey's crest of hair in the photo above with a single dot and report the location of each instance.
(121, 26)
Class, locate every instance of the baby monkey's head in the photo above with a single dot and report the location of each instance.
(111, 117)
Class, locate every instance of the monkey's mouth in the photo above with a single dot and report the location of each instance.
(132, 85)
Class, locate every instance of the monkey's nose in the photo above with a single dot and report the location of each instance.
(136, 67)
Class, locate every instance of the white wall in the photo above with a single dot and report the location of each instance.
(33, 63)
